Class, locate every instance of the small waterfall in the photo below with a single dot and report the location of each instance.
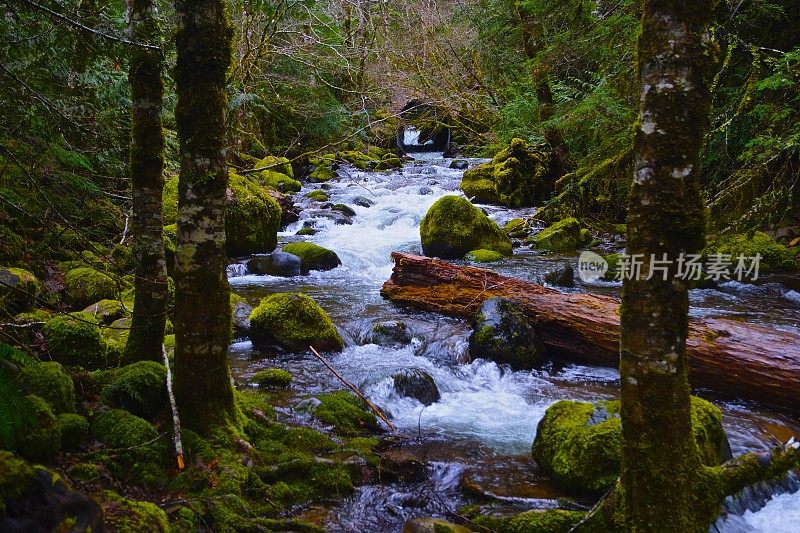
(772, 507)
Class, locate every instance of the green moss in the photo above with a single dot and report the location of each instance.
(280, 182)
(483, 256)
(84, 286)
(453, 227)
(322, 174)
(613, 267)
(774, 256)
(86, 472)
(348, 414)
(273, 378)
(42, 443)
(565, 236)
(312, 256)
(276, 164)
(358, 159)
(169, 197)
(50, 382)
(75, 342)
(134, 450)
(252, 218)
(578, 444)
(130, 516)
(15, 475)
(107, 311)
(140, 388)
(318, 195)
(121, 429)
(293, 321)
(19, 290)
(547, 521)
(517, 228)
(306, 231)
(74, 431)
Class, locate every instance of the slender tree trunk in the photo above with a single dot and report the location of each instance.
(662, 476)
(147, 166)
(202, 305)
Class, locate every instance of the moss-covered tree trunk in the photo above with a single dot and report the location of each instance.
(662, 477)
(202, 301)
(147, 182)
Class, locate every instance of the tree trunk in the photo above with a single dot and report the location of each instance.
(147, 182)
(663, 481)
(742, 360)
(202, 304)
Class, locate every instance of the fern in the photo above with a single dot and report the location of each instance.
(17, 413)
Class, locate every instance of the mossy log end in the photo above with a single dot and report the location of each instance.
(737, 358)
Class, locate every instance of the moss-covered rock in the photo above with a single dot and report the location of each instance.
(43, 442)
(433, 525)
(483, 256)
(318, 196)
(133, 450)
(75, 342)
(453, 227)
(518, 176)
(276, 164)
(579, 444)
(130, 516)
(280, 182)
(74, 431)
(547, 521)
(50, 382)
(312, 256)
(140, 388)
(348, 414)
(252, 217)
(565, 236)
(120, 429)
(84, 286)
(774, 256)
(358, 159)
(274, 378)
(19, 290)
(106, 311)
(293, 322)
(503, 334)
(322, 174)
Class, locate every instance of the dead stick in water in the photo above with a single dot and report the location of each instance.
(354, 389)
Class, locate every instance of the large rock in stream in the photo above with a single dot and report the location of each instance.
(280, 264)
(452, 227)
(503, 334)
(418, 384)
(293, 321)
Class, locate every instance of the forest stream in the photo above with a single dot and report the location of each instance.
(477, 437)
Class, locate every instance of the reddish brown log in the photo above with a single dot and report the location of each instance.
(737, 358)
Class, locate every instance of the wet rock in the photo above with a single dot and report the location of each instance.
(565, 236)
(290, 213)
(459, 164)
(309, 405)
(347, 210)
(313, 257)
(503, 334)
(275, 264)
(452, 227)
(432, 525)
(293, 322)
(563, 276)
(240, 311)
(363, 201)
(425, 191)
(390, 333)
(418, 384)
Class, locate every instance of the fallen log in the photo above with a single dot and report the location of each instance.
(737, 358)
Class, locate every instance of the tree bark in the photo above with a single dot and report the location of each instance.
(663, 481)
(203, 387)
(739, 359)
(147, 182)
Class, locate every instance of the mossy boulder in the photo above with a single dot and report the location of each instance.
(565, 236)
(348, 414)
(280, 182)
(84, 286)
(120, 429)
(579, 444)
(503, 334)
(546, 521)
(75, 342)
(454, 227)
(43, 441)
(313, 257)
(74, 431)
(277, 164)
(358, 159)
(131, 516)
(774, 256)
(518, 228)
(273, 378)
(518, 176)
(293, 322)
(417, 384)
(252, 217)
(483, 256)
(50, 382)
(140, 388)
(322, 174)
(133, 447)
(19, 290)
(106, 311)
(318, 196)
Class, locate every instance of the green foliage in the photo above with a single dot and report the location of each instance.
(17, 413)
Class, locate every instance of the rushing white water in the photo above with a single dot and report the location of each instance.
(481, 402)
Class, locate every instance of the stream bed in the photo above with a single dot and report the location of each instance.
(480, 432)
